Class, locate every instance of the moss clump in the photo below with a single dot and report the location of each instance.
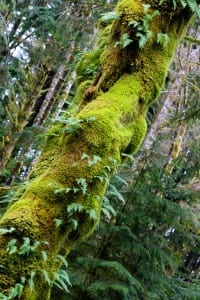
(117, 113)
(80, 93)
(130, 9)
(88, 65)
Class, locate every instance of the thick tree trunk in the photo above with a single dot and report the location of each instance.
(71, 176)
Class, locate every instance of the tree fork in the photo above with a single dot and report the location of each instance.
(61, 204)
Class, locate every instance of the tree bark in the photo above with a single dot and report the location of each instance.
(21, 116)
(107, 118)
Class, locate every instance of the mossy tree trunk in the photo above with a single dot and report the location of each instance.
(61, 204)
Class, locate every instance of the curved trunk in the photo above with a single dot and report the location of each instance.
(61, 205)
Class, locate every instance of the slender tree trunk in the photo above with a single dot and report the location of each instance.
(172, 97)
(62, 98)
(52, 91)
(71, 176)
(21, 117)
(184, 99)
(49, 97)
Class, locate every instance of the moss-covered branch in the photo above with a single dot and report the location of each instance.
(191, 39)
(62, 203)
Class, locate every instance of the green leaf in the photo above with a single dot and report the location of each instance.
(23, 280)
(64, 275)
(114, 192)
(96, 158)
(117, 44)
(44, 255)
(107, 209)
(162, 39)
(125, 40)
(108, 168)
(131, 157)
(31, 281)
(91, 119)
(61, 280)
(74, 223)
(45, 242)
(73, 208)
(63, 260)
(16, 291)
(92, 214)
(62, 190)
(3, 297)
(11, 247)
(26, 248)
(121, 180)
(143, 38)
(75, 190)
(146, 7)
(58, 222)
(109, 16)
(46, 276)
(155, 13)
(36, 245)
(7, 230)
(73, 124)
(84, 155)
(83, 184)
(134, 23)
(94, 161)
(101, 178)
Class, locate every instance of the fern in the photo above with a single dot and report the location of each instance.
(123, 285)
(31, 283)
(61, 280)
(192, 4)
(73, 208)
(107, 209)
(16, 291)
(7, 230)
(109, 17)
(162, 39)
(27, 248)
(46, 277)
(115, 193)
(140, 242)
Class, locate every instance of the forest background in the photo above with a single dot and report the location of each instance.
(147, 244)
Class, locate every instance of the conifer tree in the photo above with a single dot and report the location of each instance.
(36, 77)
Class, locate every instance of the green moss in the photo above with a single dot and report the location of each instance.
(80, 92)
(139, 131)
(112, 128)
(88, 65)
(102, 42)
(130, 8)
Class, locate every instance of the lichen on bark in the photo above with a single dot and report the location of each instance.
(77, 162)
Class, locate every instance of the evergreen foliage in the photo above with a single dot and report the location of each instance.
(141, 253)
(192, 4)
(36, 39)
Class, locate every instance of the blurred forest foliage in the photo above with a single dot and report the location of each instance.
(147, 245)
